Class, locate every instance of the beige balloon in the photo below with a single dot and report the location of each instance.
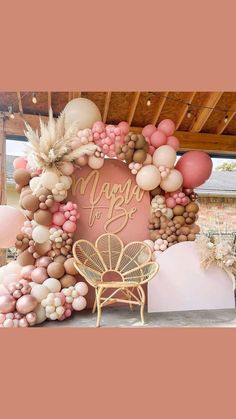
(173, 181)
(82, 111)
(164, 156)
(148, 177)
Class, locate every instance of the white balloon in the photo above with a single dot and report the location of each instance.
(148, 177)
(40, 314)
(49, 179)
(66, 180)
(82, 288)
(52, 284)
(2, 272)
(173, 181)
(164, 156)
(39, 291)
(95, 162)
(82, 111)
(34, 183)
(40, 234)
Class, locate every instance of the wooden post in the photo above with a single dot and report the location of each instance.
(2, 178)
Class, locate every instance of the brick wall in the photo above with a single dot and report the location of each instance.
(217, 213)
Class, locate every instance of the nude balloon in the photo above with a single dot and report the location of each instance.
(173, 181)
(164, 156)
(148, 177)
(12, 219)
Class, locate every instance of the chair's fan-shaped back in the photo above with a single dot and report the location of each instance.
(134, 255)
(142, 273)
(85, 253)
(110, 248)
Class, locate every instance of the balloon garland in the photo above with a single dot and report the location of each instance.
(41, 284)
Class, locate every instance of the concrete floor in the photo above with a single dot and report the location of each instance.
(122, 317)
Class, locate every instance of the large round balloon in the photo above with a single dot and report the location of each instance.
(173, 181)
(148, 177)
(83, 111)
(164, 156)
(196, 168)
(11, 221)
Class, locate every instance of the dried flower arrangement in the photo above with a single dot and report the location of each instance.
(218, 250)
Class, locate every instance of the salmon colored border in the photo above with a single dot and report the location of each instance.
(98, 46)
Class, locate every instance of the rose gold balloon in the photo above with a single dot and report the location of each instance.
(7, 303)
(26, 304)
(31, 318)
(39, 275)
(26, 272)
(43, 261)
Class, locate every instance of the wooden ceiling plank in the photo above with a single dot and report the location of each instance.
(133, 107)
(185, 108)
(159, 107)
(202, 117)
(106, 106)
(20, 103)
(222, 124)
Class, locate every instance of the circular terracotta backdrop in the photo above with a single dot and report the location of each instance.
(109, 200)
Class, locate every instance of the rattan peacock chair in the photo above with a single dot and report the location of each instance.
(109, 259)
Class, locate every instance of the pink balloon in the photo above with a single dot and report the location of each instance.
(58, 218)
(43, 262)
(158, 138)
(151, 150)
(170, 202)
(7, 303)
(148, 130)
(26, 304)
(39, 275)
(11, 221)
(19, 163)
(173, 142)
(79, 303)
(196, 168)
(9, 278)
(167, 126)
(26, 272)
(124, 126)
(69, 226)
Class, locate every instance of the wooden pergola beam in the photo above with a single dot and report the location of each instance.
(159, 108)
(20, 103)
(189, 140)
(222, 124)
(202, 117)
(106, 106)
(211, 143)
(184, 109)
(133, 107)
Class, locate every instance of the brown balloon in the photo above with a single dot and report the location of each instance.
(43, 248)
(178, 210)
(25, 258)
(42, 191)
(139, 156)
(30, 202)
(179, 219)
(21, 177)
(55, 270)
(69, 266)
(43, 217)
(67, 281)
(140, 141)
(184, 230)
(156, 191)
(191, 237)
(182, 238)
(192, 207)
(60, 259)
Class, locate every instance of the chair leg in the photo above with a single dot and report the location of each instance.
(95, 302)
(142, 303)
(99, 309)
